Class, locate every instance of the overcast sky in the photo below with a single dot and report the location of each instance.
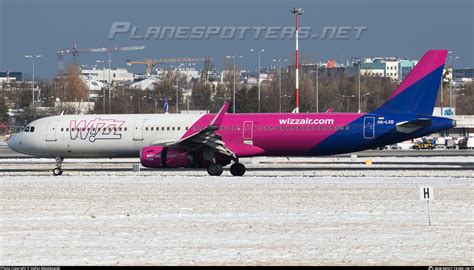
(394, 28)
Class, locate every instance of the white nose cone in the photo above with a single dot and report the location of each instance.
(12, 142)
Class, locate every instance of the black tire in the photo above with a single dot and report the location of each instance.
(215, 169)
(57, 171)
(237, 169)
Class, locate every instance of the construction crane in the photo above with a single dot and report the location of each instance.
(150, 63)
(75, 53)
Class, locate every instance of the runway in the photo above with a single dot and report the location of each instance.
(6, 152)
(142, 218)
(284, 211)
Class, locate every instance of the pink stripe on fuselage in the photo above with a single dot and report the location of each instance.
(431, 61)
(294, 141)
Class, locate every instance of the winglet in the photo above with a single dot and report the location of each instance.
(216, 122)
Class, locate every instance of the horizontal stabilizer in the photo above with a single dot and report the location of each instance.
(414, 125)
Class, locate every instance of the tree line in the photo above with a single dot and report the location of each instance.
(336, 91)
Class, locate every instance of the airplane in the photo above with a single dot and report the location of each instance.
(215, 140)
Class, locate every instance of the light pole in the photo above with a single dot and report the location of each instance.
(33, 57)
(297, 12)
(187, 87)
(89, 78)
(317, 87)
(364, 95)
(258, 78)
(139, 103)
(233, 95)
(348, 98)
(452, 78)
(359, 88)
(103, 81)
(279, 82)
(110, 82)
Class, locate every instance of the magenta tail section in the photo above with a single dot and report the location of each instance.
(417, 93)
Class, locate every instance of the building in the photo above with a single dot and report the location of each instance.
(391, 67)
(376, 69)
(7, 76)
(463, 74)
(404, 67)
(102, 75)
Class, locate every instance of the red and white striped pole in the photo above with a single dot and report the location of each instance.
(297, 11)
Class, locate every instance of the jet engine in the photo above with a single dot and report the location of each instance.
(164, 157)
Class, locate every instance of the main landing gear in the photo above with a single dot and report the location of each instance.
(237, 169)
(58, 171)
(216, 169)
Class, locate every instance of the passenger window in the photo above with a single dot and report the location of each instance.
(179, 128)
(347, 127)
(146, 129)
(167, 128)
(125, 129)
(151, 129)
(62, 129)
(298, 127)
(195, 128)
(187, 128)
(173, 128)
(233, 128)
(303, 128)
(259, 127)
(83, 129)
(67, 129)
(276, 127)
(162, 128)
(293, 128)
(287, 127)
(110, 129)
(32, 129)
(115, 129)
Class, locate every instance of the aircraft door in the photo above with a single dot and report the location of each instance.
(138, 130)
(248, 130)
(369, 127)
(51, 131)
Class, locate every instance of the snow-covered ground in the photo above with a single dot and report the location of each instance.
(128, 218)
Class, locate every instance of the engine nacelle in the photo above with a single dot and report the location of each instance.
(164, 157)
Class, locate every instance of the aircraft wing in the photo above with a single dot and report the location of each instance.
(206, 138)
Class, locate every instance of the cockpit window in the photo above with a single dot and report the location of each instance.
(32, 129)
(27, 129)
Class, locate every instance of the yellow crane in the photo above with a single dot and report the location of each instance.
(149, 64)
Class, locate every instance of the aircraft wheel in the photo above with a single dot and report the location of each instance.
(57, 171)
(237, 169)
(215, 169)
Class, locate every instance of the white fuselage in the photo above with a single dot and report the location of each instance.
(121, 135)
